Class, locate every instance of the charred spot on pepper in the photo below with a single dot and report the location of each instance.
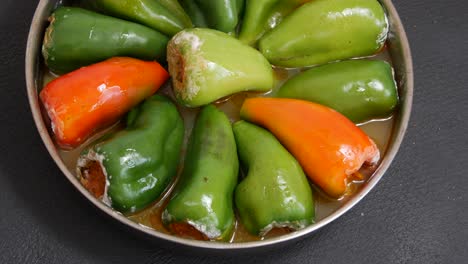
(201, 77)
(174, 57)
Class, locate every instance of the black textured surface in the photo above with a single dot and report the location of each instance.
(418, 213)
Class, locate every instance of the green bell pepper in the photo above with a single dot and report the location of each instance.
(275, 192)
(263, 15)
(322, 31)
(216, 14)
(195, 13)
(202, 198)
(359, 89)
(165, 16)
(240, 5)
(203, 72)
(77, 37)
(139, 162)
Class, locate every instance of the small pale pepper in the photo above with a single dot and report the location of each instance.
(201, 205)
(323, 31)
(329, 147)
(220, 15)
(275, 192)
(77, 37)
(263, 15)
(207, 65)
(359, 89)
(83, 101)
(165, 16)
(131, 168)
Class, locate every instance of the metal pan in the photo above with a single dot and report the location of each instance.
(401, 56)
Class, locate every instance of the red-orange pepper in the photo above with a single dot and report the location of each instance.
(88, 99)
(329, 147)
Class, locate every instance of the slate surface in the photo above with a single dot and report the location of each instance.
(418, 213)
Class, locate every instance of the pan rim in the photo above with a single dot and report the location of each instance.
(31, 71)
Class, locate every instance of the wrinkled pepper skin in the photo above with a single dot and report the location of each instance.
(263, 15)
(323, 31)
(207, 65)
(140, 161)
(203, 196)
(165, 16)
(329, 147)
(275, 192)
(359, 89)
(78, 37)
(83, 101)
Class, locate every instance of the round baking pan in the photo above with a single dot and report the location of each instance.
(398, 48)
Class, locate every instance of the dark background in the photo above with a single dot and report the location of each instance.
(418, 213)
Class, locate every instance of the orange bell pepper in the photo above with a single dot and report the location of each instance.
(88, 99)
(329, 147)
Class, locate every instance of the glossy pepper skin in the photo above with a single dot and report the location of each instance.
(329, 147)
(195, 13)
(240, 8)
(220, 15)
(140, 161)
(263, 15)
(203, 196)
(207, 65)
(77, 37)
(359, 89)
(165, 16)
(83, 101)
(323, 31)
(275, 192)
